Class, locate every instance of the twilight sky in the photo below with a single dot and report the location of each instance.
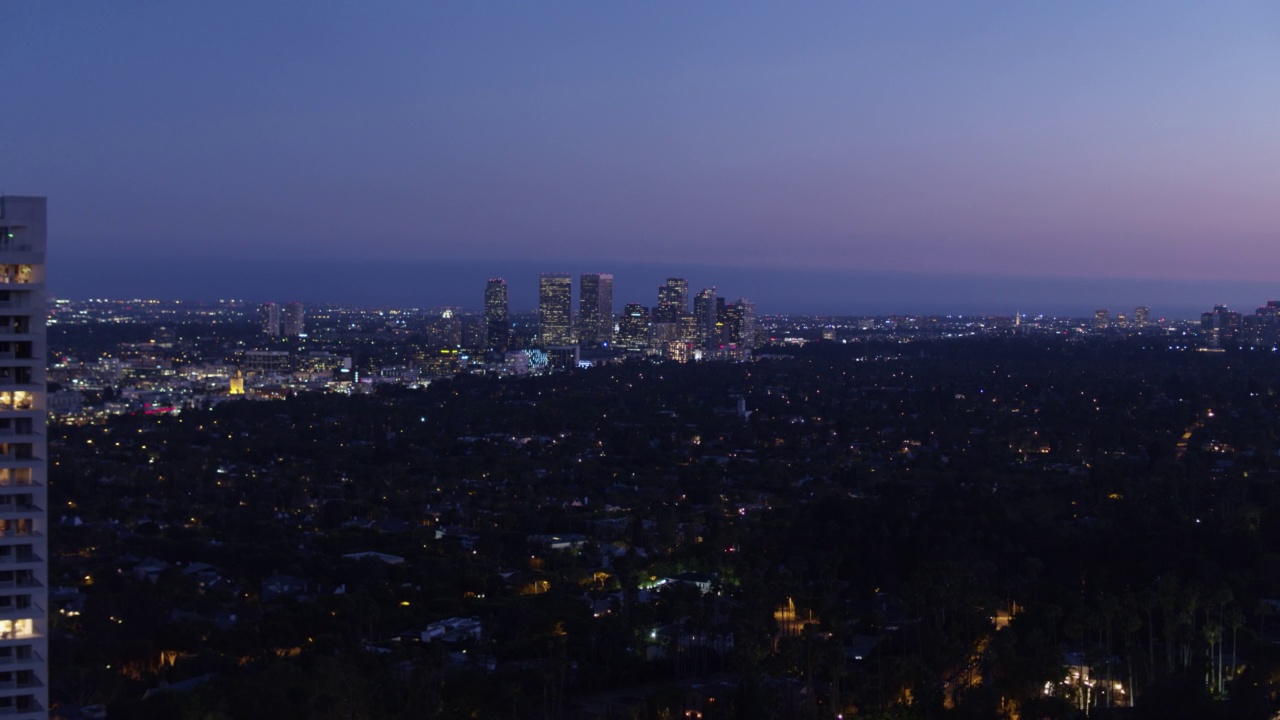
(1131, 144)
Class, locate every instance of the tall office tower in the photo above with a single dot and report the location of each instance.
(24, 570)
(673, 301)
(270, 319)
(704, 315)
(1222, 325)
(1229, 325)
(1269, 324)
(747, 323)
(555, 304)
(1251, 330)
(687, 330)
(496, 319)
(633, 328)
(293, 320)
(1141, 316)
(721, 335)
(595, 309)
(738, 333)
(730, 325)
(1101, 318)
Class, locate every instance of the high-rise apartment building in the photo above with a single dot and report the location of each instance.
(595, 309)
(673, 301)
(555, 309)
(294, 318)
(270, 319)
(1101, 318)
(496, 315)
(24, 570)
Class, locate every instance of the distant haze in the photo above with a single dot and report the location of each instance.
(864, 147)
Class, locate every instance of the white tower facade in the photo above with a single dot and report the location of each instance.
(24, 566)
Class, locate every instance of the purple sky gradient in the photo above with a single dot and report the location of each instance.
(1092, 139)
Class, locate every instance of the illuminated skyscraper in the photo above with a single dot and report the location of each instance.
(1141, 316)
(1226, 325)
(270, 319)
(1266, 325)
(673, 301)
(747, 324)
(294, 317)
(687, 330)
(595, 309)
(633, 328)
(721, 336)
(1101, 318)
(24, 571)
(496, 319)
(737, 328)
(555, 309)
(704, 314)
(1222, 326)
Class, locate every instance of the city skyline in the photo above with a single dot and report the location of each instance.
(824, 351)
(351, 502)
(775, 291)
(1088, 142)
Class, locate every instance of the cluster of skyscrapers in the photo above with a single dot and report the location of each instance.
(1229, 328)
(1141, 318)
(711, 328)
(289, 323)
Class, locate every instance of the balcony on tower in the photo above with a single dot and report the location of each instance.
(20, 274)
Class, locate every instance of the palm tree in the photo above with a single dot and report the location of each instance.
(1234, 619)
(1221, 599)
